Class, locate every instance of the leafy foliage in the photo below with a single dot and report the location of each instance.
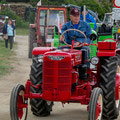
(94, 6)
(3, 2)
(99, 6)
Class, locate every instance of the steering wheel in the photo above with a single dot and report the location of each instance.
(80, 45)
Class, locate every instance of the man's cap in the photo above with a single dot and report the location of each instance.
(82, 9)
(74, 11)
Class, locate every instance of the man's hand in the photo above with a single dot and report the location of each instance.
(77, 44)
(62, 38)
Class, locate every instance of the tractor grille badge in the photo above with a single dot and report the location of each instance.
(56, 57)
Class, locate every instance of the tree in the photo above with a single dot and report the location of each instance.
(94, 6)
(3, 2)
(99, 6)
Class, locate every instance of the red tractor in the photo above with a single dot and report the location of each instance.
(42, 31)
(61, 75)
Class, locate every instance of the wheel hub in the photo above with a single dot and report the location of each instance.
(21, 107)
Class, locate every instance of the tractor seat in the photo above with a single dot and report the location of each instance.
(104, 30)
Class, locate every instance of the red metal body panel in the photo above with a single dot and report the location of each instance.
(106, 49)
(42, 50)
(80, 95)
(57, 77)
(106, 53)
(57, 74)
(106, 45)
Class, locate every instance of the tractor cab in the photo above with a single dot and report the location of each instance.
(47, 26)
(50, 19)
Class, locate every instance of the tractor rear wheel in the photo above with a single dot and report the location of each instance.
(96, 105)
(32, 44)
(108, 85)
(39, 107)
(18, 111)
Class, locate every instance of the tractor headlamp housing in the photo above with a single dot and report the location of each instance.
(94, 60)
(56, 57)
(40, 58)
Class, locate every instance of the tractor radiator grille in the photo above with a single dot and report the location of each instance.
(57, 75)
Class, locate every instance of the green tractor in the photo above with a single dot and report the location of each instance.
(93, 48)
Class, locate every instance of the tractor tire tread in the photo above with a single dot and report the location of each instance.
(39, 107)
(107, 84)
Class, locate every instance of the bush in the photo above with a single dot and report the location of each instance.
(19, 22)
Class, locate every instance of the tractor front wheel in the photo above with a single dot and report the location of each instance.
(96, 105)
(18, 106)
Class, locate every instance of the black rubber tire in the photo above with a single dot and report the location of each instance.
(108, 83)
(39, 107)
(93, 103)
(13, 102)
(31, 41)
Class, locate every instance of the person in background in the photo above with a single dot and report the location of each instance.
(89, 18)
(9, 29)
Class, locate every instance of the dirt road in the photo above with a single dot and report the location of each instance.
(20, 74)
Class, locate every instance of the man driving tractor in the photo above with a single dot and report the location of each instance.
(84, 27)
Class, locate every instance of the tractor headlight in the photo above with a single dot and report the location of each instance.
(94, 60)
(40, 58)
(56, 57)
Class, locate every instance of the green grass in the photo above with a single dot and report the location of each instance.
(22, 31)
(5, 59)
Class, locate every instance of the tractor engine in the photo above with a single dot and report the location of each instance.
(58, 72)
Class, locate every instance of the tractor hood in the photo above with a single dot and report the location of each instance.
(42, 50)
(74, 56)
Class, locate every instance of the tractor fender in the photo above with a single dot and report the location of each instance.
(106, 48)
(32, 26)
(42, 50)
